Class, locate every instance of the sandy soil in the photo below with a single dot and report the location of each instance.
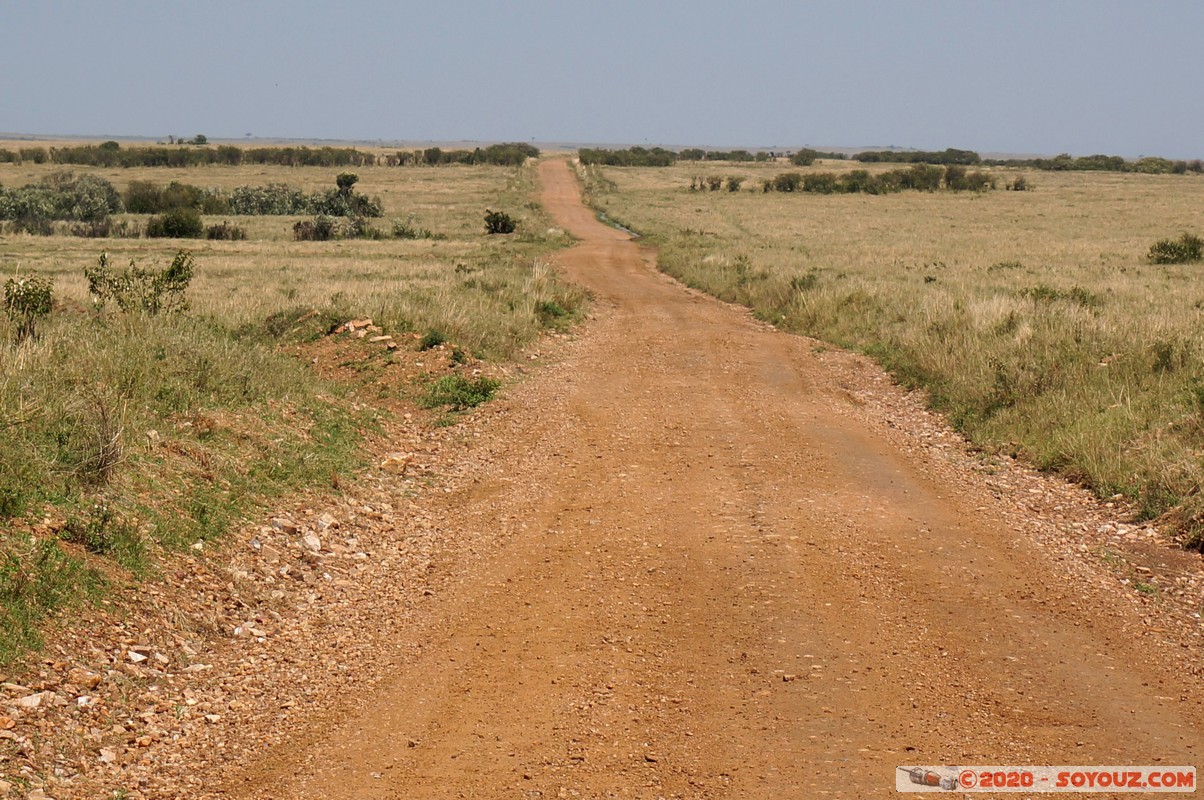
(727, 583)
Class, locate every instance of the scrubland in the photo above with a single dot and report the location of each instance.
(126, 435)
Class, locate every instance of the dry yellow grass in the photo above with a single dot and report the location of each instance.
(136, 433)
(1032, 318)
(408, 283)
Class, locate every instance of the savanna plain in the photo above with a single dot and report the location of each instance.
(424, 510)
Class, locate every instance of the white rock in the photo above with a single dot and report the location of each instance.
(30, 701)
(311, 542)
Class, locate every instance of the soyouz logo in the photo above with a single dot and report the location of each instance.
(1031, 779)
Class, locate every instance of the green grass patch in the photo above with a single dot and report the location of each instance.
(459, 393)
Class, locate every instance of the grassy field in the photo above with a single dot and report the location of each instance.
(123, 436)
(1032, 318)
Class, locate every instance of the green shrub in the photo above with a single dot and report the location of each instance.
(141, 290)
(102, 531)
(224, 231)
(1184, 250)
(176, 223)
(631, 157)
(499, 222)
(788, 182)
(143, 197)
(733, 184)
(551, 314)
(33, 225)
(359, 228)
(318, 229)
(821, 183)
(459, 393)
(277, 199)
(96, 229)
(61, 195)
(431, 339)
(37, 155)
(408, 230)
(26, 301)
(958, 179)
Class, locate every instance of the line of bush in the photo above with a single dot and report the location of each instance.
(1150, 165)
(112, 154)
(949, 155)
(697, 154)
(90, 199)
(807, 156)
(629, 157)
(512, 154)
(920, 177)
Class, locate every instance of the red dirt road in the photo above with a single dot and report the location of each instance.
(720, 584)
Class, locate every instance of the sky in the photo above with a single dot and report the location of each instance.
(997, 76)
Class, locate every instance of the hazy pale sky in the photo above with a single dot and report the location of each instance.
(1021, 76)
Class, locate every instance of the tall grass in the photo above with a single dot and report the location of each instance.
(135, 435)
(1033, 319)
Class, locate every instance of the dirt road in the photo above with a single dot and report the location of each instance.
(722, 585)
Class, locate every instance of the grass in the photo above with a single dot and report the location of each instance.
(459, 393)
(134, 436)
(1033, 319)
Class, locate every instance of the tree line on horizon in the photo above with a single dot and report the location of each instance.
(112, 154)
(661, 157)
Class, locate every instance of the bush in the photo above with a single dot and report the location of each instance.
(821, 183)
(788, 182)
(98, 229)
(278, 199)
(407, 230)
(1019, 184)
(177, 223)
(359, 228)
(459, 393)
(138, 289)
(226, 232)
(33, 225)
(318, 229)
(62, 195)
(499, 222)
(26, 301)
(143, 197)
(631, 157)
(733, 184)
(1184, 250)
(282, 200)
(431, 339)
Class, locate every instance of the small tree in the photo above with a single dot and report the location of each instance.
(176, 223)
(27, 300)
(138, 289)
(499, 222)
(345, 181)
